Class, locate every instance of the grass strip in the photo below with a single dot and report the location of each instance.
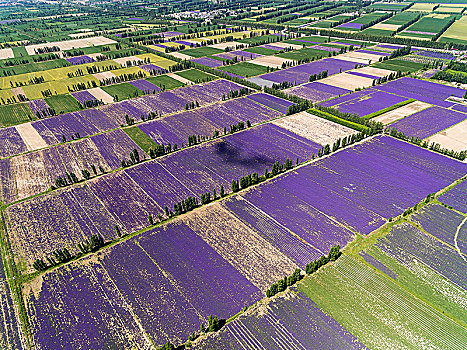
(338, 120)
(387, 109)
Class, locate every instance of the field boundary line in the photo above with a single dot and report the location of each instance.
(455, 238)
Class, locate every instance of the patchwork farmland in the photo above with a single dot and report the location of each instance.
(233, 175)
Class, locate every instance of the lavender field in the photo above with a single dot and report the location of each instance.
(166, 180)
(422, 90)
(300, 74)
(370, 103)
(126, 198)
(444, 224)
(457, 197)
(428, 122)
(407, 244)
(292, 320)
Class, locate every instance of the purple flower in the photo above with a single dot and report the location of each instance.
(206, 61)
(145, 86)
(79, 59)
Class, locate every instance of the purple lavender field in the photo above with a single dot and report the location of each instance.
(370, 103)
(354, 95)
(206, 61)
(428, 122)
(12, 142)
(39, 106)
(145, 86)
(456, 197)
(293, 319)
(422, 90)
(205, 121)
(83, 96)
(273, 102)
(351, 25)
(301, 74)
(316, 91)
(444, 224)
(79, 59)
(274, 232)
(364, 184)
(89, 312)
(406, 243)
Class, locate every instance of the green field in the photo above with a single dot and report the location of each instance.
(63, 104)
(322, 24)
(202, 51)
(304, 53)
(165, 82)
(196, 76)
(258, 39)
(245, 69)
(94, 49)
(457, 32)
(415, 35)
(370, 17)
(19, 51)
(367, 302)
(424, 289)
(317, 39)
(388, 7)
(401, 18)
(122, 91)
(429, 24)
(261, 51)
(15, 114)
(36, 67)
(399, 65)
(376, 31)
(140, 138)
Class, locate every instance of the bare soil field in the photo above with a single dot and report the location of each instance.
(452, 138)
(101, 95)
(314, 128)
(30, 136)
(270, 61)
(401, 112)
(347, 81)
(247, 251)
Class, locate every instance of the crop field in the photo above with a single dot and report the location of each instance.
(245, 69)
(300, 74)
(443, 224)
(339, 180)
(429, 121)
(456, 32)
(401, 112)
(410, 245)
(380, 313)
(371, 103)
(10, 336)
(276, 144)
(427, 26)
(16, 114)
(210, 175)
(291, 319)
(422, 90)
(457, 197)
(316, 91)
(315, 52)
(314, 128)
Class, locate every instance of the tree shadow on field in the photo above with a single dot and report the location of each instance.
(233, 155)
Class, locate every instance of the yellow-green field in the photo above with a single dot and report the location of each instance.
(422, 7)
(457, 32)
(56, 87)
